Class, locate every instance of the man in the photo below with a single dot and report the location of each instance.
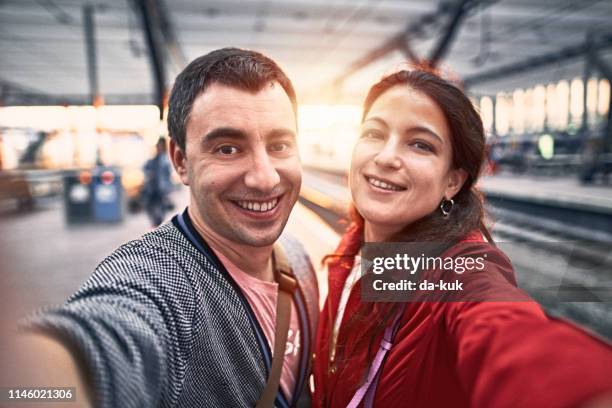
(184, 316)
(157, 184)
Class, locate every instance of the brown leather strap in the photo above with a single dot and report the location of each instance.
(286, 287)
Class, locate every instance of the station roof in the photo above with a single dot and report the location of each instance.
(324, 45)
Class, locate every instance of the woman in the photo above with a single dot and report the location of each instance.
(412, 179)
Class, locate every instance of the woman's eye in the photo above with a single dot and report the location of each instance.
(423, 146)
(227, 150)
(371, 134)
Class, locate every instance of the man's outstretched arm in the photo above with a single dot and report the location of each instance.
(36, 361)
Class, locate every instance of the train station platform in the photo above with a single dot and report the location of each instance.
(44, 260)
(565, 192)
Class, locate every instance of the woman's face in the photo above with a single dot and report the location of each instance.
(401, 164)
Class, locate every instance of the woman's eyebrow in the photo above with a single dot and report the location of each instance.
(424, 129)
(376, 119)
(413, 129)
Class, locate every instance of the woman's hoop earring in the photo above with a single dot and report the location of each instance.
(446, 207)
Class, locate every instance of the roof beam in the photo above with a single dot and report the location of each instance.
(401, 41)
(540, 61)
(17, 94)
(445, 41)
(14, 94)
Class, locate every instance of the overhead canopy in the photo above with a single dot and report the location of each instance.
(328, 48)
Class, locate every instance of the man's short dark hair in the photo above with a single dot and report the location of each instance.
(242, 69)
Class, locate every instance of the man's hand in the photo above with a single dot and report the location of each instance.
(37, 361)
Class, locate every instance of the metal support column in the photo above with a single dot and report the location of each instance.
(606, 71)
(494, 115)
(147, 9)
(585, 84)
(545, 128)
(91, 53)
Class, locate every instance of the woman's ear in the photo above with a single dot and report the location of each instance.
(456, 179)
(179, 161)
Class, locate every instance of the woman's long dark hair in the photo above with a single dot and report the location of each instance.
(467, 215)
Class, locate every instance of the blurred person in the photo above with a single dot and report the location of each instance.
(413, 174)
(157, 184)
(187, 314)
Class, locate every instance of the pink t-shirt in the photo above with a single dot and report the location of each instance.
(262, 297)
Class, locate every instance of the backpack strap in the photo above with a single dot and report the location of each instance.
(286, 287)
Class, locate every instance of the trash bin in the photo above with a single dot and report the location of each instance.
(78, 203)
(107, 195)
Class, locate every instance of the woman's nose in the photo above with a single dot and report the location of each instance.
(388, 156)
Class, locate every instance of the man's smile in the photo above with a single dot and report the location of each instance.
(266, 208)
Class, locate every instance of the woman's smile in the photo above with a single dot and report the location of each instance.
(380, 184)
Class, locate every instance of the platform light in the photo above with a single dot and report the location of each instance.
(58, 150)
(327, 134)
(603, 100)
(518, 111)
(576, 100)
(82, 118)
(551, 106)
(539, 107)
(502, 114)
(592, 85)
(38, 117)
(530, 113)
(546, 146)
(486, 112)
(562, 99)
(121, 117)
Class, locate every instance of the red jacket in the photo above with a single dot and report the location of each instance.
(463, 354)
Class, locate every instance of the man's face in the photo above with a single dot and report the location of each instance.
(241, 163)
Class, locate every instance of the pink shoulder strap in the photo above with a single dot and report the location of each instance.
(368, 389)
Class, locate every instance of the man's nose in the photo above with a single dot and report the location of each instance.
(388, 156)
(262, 174)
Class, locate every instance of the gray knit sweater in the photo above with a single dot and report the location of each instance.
(161, 323)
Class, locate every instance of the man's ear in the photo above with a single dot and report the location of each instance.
(179, 161)
(456, 179)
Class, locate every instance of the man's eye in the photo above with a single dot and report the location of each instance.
(227, 150)
(279, 147)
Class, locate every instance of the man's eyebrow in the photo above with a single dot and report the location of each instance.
(281, 132)
(223, 133)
